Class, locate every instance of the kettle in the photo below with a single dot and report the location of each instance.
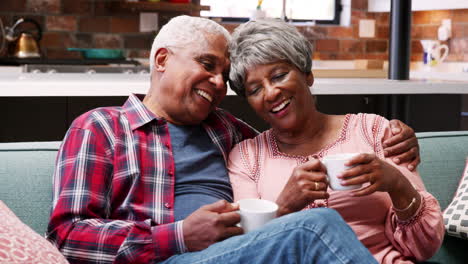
(433, 52)
(23, 43)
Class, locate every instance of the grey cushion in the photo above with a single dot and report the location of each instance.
(443, 157)
(27, 168)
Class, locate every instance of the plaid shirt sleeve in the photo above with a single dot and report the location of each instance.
(226, 130)
(82, 224)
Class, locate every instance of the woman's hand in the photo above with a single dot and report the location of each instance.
(403, 145)
(307, 183)
(368, 168)
(382, 177)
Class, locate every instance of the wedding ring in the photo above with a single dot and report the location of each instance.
(316, 186)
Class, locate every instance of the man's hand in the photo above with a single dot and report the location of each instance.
(307, 183)
(403, 145)
(211, 223)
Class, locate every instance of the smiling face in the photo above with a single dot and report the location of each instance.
(279, 93)
(189, 81)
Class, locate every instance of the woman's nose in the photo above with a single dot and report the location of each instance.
(271, 92)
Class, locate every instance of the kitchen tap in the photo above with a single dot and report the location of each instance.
(2, 37)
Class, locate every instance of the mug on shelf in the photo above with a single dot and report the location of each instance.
(434, 52)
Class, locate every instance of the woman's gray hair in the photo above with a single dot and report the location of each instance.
(263, 42)
(182, 31)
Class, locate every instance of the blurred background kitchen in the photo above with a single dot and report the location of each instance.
(60, 58)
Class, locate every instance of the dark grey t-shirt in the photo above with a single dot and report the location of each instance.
(200, 171)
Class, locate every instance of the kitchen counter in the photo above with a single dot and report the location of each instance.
(50, 102)
(60, 84)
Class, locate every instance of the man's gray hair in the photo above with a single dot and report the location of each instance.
(263, 42)
(182, 31)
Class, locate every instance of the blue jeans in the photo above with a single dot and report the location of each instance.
(312, 236)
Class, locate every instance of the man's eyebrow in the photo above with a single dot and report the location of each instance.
(212, 57)
(216, 59)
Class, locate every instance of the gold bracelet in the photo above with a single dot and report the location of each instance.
(408, 207)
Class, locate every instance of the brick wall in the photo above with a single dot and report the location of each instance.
(92, 24)
(425, 25)
(82, 24)
(343, 43)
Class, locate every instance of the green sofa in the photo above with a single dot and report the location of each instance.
(26, 181)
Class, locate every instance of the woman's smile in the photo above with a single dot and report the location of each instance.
(281, 109)
(281, 106)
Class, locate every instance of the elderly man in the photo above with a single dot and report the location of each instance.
(147, 182)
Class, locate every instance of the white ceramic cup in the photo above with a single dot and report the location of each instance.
(335, 165)
(255, 213)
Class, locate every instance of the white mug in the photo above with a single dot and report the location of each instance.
(255, 213)
(335, 165)
(433, 52)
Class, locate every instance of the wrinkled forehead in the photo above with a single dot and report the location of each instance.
(213, 45)
(210, 41)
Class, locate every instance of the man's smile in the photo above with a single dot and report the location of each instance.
(205, 95)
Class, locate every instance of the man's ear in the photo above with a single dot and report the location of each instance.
(160, 59)
(310, 78)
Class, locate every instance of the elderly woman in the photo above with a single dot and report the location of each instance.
(392, 213)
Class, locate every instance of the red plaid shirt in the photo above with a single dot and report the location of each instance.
(114, 184)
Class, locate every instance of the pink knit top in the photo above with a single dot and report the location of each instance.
(257, 169)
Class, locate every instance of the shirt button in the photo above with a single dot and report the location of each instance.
(167, 205)
(171, 173)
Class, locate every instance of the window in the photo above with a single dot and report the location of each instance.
(319, 11)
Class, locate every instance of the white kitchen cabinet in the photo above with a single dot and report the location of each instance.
(417, 5)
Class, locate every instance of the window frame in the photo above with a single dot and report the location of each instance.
(334, 21)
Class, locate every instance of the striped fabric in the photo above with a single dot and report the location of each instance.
(114, 184)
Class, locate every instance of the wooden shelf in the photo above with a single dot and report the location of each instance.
(350, 73)
(158, 7)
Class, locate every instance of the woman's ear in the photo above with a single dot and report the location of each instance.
(310, 79)
(160, 59)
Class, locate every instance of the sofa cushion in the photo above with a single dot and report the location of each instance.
(20, 244)
(443, 158)
(456, 214)
(442, 162)
(27, 168)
